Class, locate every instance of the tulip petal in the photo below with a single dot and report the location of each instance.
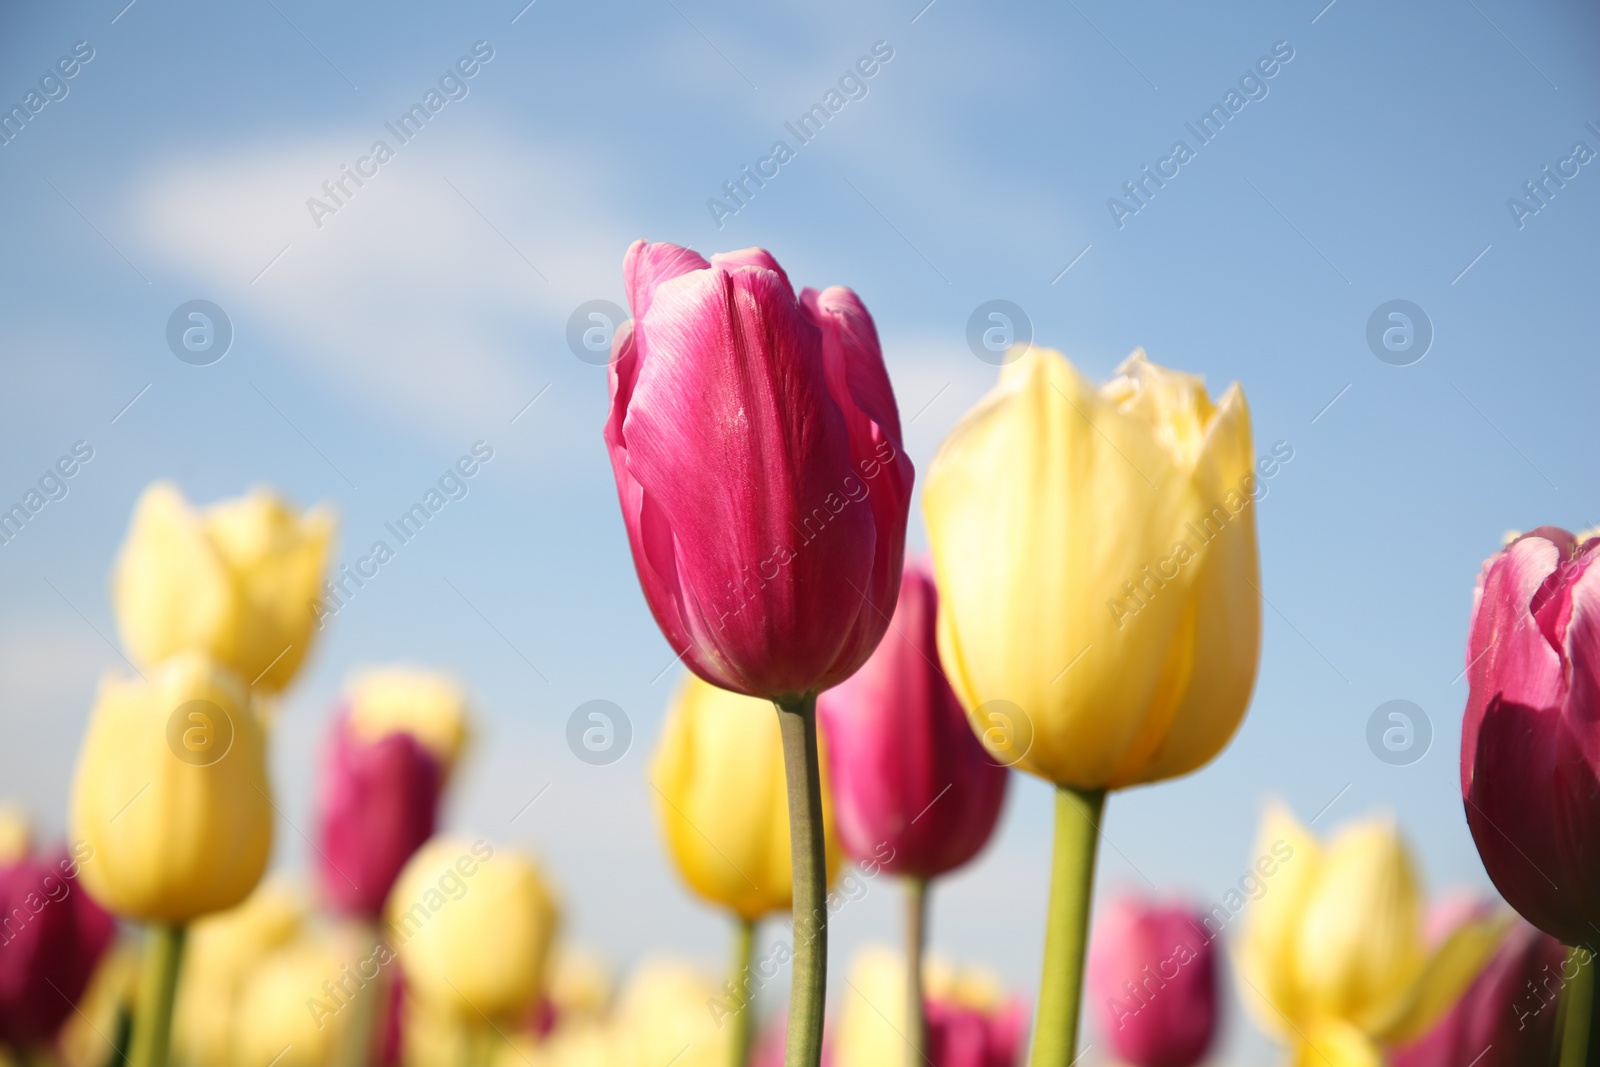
(1452, 968)
(646, 266)
(1265, 957)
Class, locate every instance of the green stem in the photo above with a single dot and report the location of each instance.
(158, 985)
(1577, 1013)
(744, 945)
(916, 938)
(798, 722)
(1055, 1036)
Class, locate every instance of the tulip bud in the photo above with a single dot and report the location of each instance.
(1096, 557)
(1153, 974)
(1530, 770)
(240, 580)
(756, 447)
(718, 780)
(378, 803)
(171, 793)
(910, 779)
(472, 925)
(972, 1022)
(295, 1006)
(1334, 954)
(50, 941)
(221, 953)
(1507, 1017)
(428, 705)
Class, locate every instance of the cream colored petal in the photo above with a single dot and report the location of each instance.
(1359, 946)
(429, 705)
(169, 588)
(1450, 970)
(1265, 956)
(1044, 506)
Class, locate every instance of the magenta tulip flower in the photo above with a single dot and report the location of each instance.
(1507, 1017)
(961, 1035)
(911, 781)
(756, 446)
(378, 803)
(52, 936)
(1530, 752)
(1152, 981)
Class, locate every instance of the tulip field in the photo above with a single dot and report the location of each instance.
(657, 534)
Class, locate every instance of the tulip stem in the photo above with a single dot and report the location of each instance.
(368, 1003)
(158, 985)
(744, 946)
(1055, 1036)
(1578, 1048)
(797, 720)
(916, 937)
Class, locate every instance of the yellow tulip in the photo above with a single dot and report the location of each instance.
(278, 1023)
(430, 706)
(1096, 556)
(871, 1032)
(1333, 957)
(472, 925)
(87, 1037)
(239, 580)
(222, 952)
(171, 793)
(720, 795)
(16, 832)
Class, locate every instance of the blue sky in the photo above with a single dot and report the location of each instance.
(372, 350)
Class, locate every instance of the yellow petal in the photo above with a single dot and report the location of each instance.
(1335, 1043)
(1359, 946)
(873, 1012)
(1079, 580)
(170, 793)
(1452, 968)
(430, 706)
(1269, 985)
(717, 779)
(169, 588)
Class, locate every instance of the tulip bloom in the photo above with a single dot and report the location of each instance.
(1334, 959)
(1530, 767)
(384, 767)
(1099, 613)
(972, 1022)
(1153, 971)
(472, 925)
(907, 769)
(174, 837)
(52, 938)
(718, 781)
(239, 580)
(1523, 977)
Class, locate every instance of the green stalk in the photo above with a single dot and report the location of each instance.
(1577, 1013)
(916, 938)
(1055, 1036)
(798, 721)
(356, 1043)
(744, 946)
(158, 986)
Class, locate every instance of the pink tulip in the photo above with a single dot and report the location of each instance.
(1530, 751)
(910, 779)
(378, 803)
(963, 1036)
(756, 447)
(1507, 1017)
(1153, 982)
(51, 936)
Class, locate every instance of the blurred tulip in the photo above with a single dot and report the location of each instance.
(89, 1037)
(718, 779)
(222, 952)
(472, 926)
(1333, 958)
(756, 447)
(51, 938)
(171, 793)
(972, 1022)
(1110, 532)
(898, 742)
(428, 705)
(296, 1004)
(1530, 757)
(239, 580)
(1506, 1018)
(378, 802)
(1153, 973)
(16, 832)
